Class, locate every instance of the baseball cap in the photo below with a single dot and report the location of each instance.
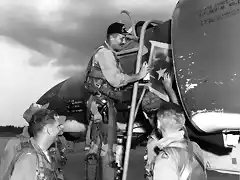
(27, 115)
(117, 28)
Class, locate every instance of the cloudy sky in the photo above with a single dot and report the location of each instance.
(43, 42)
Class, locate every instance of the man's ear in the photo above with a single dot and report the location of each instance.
(112, 37)
(48, 129)
(45, 129)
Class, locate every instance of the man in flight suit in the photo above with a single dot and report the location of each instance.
(104, 77)
(32, 160)
(10, 148)
(174, 156)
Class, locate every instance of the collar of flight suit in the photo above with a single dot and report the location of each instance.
(39, 150)
(172, 139)
(25, 132)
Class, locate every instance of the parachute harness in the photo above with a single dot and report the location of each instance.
(98, 118)
(92, 158)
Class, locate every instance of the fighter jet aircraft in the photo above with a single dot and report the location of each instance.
(202, 38)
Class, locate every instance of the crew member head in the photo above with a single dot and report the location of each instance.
(27, 115)
(116, 36)
(45, 127)
(170, 119)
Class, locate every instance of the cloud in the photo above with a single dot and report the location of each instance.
(21, 84)
(38, 59)
(148, 5)
(70, 71)
(68, 31)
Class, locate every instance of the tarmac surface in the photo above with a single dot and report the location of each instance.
(74, 169)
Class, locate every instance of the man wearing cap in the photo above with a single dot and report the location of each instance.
(10, 148)
(105, 59)
(13, 143)
(32, 159)
(105, 77)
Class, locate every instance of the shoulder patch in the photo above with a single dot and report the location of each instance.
(164, 155)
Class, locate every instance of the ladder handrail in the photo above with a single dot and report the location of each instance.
(134, 98)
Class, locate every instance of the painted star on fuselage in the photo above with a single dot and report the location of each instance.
(161, 72)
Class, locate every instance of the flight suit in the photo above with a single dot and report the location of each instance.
(57, 159)
(104, 77)
(10, 150)
(105, 81)
(175, 158)
(30, 163)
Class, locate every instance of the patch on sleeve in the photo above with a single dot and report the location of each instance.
(164, 155)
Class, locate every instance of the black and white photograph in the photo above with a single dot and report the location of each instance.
(119, 90)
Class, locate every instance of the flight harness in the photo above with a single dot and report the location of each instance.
(44, 170)
(104, 95)
(185, 170)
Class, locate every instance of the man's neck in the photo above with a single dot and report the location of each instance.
(25, 132)
(43, 142)
(108, 44)
(169, 133)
